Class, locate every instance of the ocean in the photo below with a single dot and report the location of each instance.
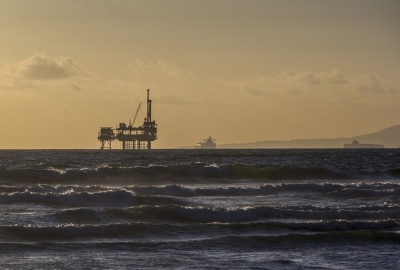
(200, 209)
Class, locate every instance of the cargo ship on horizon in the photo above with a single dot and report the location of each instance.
(208, 143)
(357, 144)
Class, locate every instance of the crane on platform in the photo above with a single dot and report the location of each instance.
(134, 118)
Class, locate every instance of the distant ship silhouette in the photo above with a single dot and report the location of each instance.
(357, 144)
(208, 143)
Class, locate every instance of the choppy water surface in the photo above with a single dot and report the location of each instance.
(195, 209)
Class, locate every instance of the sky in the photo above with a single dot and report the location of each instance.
(239, 71)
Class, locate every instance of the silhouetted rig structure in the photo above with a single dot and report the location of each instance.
(131, 137)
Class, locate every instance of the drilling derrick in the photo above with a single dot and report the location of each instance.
(134, 137)
(149, 125)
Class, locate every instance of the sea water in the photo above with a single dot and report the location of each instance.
(200, 209)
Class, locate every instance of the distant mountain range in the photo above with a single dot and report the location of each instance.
(389, 137)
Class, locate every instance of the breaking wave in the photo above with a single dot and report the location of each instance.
(205, 214)
(199, 170)
(331, 189)
(106, 198)
(143, 229)
(257, 242)
(182, 213)
(69, 193)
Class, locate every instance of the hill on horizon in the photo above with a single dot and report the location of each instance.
(389, 137)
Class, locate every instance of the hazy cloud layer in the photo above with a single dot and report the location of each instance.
(370, 83)
(162, 67)
(335, 76)
(334, 84)
(39, 69)
(292, 82)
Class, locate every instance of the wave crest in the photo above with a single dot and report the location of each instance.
(230, 171)
(212, 230)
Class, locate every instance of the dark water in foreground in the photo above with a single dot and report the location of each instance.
(195, 209)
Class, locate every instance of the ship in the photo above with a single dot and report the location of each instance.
(208, 143)
(357, 144)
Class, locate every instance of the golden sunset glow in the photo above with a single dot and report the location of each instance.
(240, 71)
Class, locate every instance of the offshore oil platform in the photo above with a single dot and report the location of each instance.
(130, 136)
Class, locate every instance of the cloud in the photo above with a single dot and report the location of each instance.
(39, 69)
(370, 83)
(291, 82)
(171, 99)
(294, 83)
(335, 76)
(161, 67)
